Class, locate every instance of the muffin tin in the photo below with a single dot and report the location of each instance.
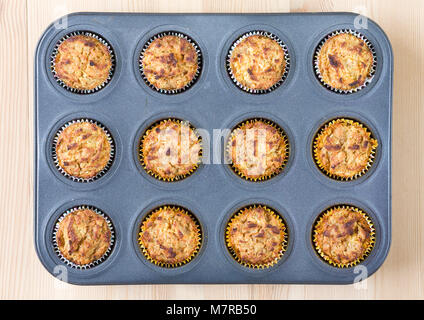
(127, 106)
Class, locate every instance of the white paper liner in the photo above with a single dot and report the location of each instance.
(100, 173)
(272, 37)
(96, 262)
(373, 67)
(180, 35)
(88, 34)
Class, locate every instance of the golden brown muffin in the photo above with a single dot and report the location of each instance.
(344, 149)
(83, 62)
(258, 150)
(170, 236)
(170, 150)
(257, 236)
(258, 62)
(83, 150)
(170, 63)
(83, 236)
(343, 236)
(345, 62)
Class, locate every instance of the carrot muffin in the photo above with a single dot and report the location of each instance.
(170, 236)
(83, 236)
(170, 150)
(258, 62)
(256, 236)
(345, 62)
(344, 236)
(82, 62)
(170, 62)
(83, 150)
(257, 149)
(344, 149)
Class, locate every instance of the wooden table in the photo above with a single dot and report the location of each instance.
(22, 275)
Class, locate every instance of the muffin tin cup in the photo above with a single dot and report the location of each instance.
(284, 243)
(263, 177)
(99, 174)
(94, 36)
(199, 62)
(359, 259)
(372, 155)
(373, 67)
(96, 262)
(199, 237)
(271, 36)
(154, 174)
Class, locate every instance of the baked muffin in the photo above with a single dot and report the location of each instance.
(83, 62)
(344, 149)
(170, 62)
(83, 150)
(257, 149)
(83, 236)
(344, 236)
(256, 236)
(258, 62)
(170, 150)
(345, 62)
(170, 236)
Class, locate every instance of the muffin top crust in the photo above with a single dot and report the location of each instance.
(257, 149)
(256, 236)
(258, 62)
(170, 62)
(83, 236)
(344, 148)
(170, 236)
(171, 150)
(343, 235)
(83, 62)
(345, 62)
(83, 150)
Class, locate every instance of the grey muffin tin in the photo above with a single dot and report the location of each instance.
(127, 106)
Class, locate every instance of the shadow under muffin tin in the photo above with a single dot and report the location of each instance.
(127, 106)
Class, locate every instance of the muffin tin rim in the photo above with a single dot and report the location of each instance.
(389, 178)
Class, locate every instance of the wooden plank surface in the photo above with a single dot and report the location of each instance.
(21, 274)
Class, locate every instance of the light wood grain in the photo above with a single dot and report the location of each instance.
(21, 274)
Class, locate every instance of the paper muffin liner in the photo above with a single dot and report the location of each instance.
(96, 262)
(100, 173)
(199, 237)
(328, 259)
(154, 174)
(234, 254)
(199, 62)
(270, 36)
(264, 177)
(88, 34)
(373, 142)
(370, 47)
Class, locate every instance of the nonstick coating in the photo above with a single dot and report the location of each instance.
(126, 106)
